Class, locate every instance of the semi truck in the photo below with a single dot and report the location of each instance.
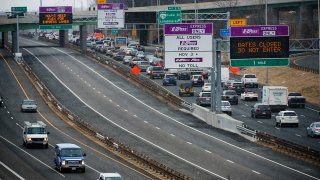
(276, 97)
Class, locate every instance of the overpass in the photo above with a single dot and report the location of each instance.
(300, 15)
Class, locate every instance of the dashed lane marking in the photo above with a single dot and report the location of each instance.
(256, 172)
(230, 161)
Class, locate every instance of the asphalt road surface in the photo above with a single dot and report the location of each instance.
(310, 62)
(167, 135)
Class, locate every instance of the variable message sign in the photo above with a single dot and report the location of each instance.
(58, 17)
(188, 45)
(259, 46)
(111, 15)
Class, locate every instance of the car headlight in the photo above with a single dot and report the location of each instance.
(63, 163)
(82, 162)
(29, 139)
(45, 139)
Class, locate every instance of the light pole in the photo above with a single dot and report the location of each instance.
(40, 3)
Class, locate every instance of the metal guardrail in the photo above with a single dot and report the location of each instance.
(122, 149)
(247, 131)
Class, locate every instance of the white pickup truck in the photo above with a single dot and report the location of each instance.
(249, 80)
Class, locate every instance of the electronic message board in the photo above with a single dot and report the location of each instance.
(55, 17)
(259, 47)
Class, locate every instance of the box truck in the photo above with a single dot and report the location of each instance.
(276, 97)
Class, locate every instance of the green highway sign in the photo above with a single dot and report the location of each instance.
(259, 62)
(169, 17)
(174, 8)
(60, 27)
(114, 31)
(19, 9)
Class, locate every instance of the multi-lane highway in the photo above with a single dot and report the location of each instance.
(137, 119)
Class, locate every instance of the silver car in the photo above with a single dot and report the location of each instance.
(314, 129)
(226, 107)
(29, 105)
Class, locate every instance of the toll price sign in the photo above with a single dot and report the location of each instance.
(57, 17)
(111, 15)
(188, 45)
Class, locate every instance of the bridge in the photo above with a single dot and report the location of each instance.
(300, 15)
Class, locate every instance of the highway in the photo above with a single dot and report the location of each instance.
(142, 122)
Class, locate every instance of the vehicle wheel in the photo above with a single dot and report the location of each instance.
(236, 103)
(297, 125)
(252, 115)
(27, 146)
(230, 113)
(175, 84)
(61, 169)
(163, 84)
(24, 143)
(46, 146)
(83, 170)
(312, 135)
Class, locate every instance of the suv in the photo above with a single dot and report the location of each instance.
(287, 117)
(69, 156)
(186, 88)
(261, 110)
(156, 72)
(197, 80)
(35, 134)
(230, 95)
(169, 79)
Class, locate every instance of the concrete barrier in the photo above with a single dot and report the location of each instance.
(221, 121)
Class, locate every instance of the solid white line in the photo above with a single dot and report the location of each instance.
(243, 115)
(93, 169)
(32, 156)
(208, 151)
(259, 122)
(298, 135)
(121, 126)
(230, 161)
(256, 172)
(172, 135)
(189, 142)
(12, 171)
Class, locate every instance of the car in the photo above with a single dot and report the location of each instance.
(204, 98)
(169, 79)
(148, 70)
(230, 95)
(126, 59)
(287, 117)
(249, 96)
(156, 72)
(226, 107)
(183, 75)
(197, 80)
(250, 80)
(206, 87)
(35, 134)
(134, 61)
(227, 83)
(186, 88)
(143, 65)
(29, 105)
(314, 129)
(69, 156)
(261, 110)
(110, 176)
(237, 86)
(140, 54)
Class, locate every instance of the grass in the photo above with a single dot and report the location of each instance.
(296, 80)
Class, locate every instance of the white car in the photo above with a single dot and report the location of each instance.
(206, 87)
(287, 117)
(226, 107)
(140, 54)
(29, 105)
(110, 176)
(127, 59)
(249, 95)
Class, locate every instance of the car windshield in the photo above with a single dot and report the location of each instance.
(207, 84)
(157, 68)
(230, 93)
(113, 178)
(250, 76)
(294, 94)
(186, 85)
(317, 125)
(36, 130)
(29, 102)
(289, 114)
(206, 95)
(144, 63)
(71, 152)
(237, 84)
(263, 107)
(169, 76)
(99, 42)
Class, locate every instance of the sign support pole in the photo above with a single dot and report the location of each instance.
(213, 77)
(218, 84)
(17, 33)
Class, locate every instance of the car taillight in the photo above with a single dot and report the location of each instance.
(269, 109)
(257, 109)
(202, 98)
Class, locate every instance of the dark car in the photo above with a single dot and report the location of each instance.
(230, 95)
(156, 72)
(237, 86)
(261, 110)
(197, 80)
(186, 88)
(183, 75)
(169, 79)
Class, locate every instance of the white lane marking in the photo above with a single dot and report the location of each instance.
(189, 142)
(302, 115)
(19, 125)
(93, 169)
(145, 122)
(196, 130)
(298, 135)
(243, 115)
(208, 151)
(157, 128)
(230, 161)
(246, 104)
(135, 115)
(99, 92)
(8, 112)
(312, 109)
(259, 122)
(256, 172)
(32, 156)
(12, 171)
(125, 110)
(172, 135)
(104, 96)
(277, 128)
(118, 105)
(11, 117)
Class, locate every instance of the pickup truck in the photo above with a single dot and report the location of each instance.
(295, 99)
(249, 80)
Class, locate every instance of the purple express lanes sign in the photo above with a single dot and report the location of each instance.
(260, 31)
(188, 28)
(110, 6)
(56, 9)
